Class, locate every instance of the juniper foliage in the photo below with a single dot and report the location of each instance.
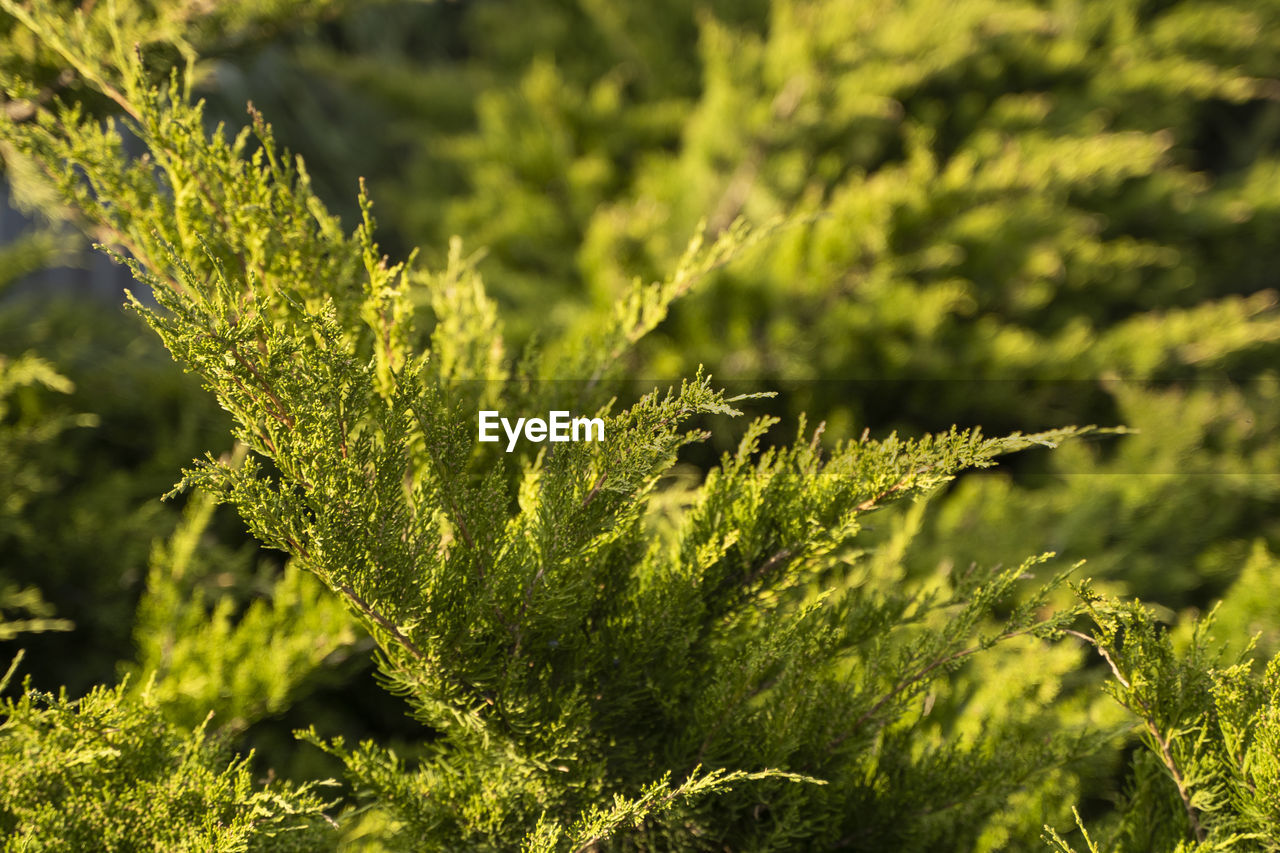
(599, 661)
(564, 654)
(1012, 200)
(108, 773)
(1207, 719)
(192, 644)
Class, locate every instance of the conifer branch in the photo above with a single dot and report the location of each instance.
(280, 411)
(1166, 757)
(595, 489)
(382, 621)
(82, 66)
(365, 608)
(1106, 656)
(918, 676)
(1139, 707)
(651, 644)
(907, 479)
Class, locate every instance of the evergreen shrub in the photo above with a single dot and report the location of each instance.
(597, 654)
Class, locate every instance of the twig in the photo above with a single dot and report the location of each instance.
(1115, 670)
(385, 623)
(781, 556)
(364, 607)
(873, 502)
(1140, 708)
(281, 412)
(595, 489)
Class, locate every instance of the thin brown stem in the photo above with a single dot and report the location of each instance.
(382, 621)
(1115, 670)
(873, 502)
(281, 412)
(595, 489)
(1143, 711)
(776, 559)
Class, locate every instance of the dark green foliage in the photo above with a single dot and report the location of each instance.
(82, 511)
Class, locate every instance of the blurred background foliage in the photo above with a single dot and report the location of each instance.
(1020, 215)
(1011, 213)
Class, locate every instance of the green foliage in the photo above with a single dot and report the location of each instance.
(31, 605)
(1210, 728)
(1025, 189)
(599, 824)
(29, 253)
(23, 428)
(602, 647)
(195, 661)
(1174, 509)
(81, 466)
(24, 425)
(527, 614)
(1007, 202)
(1248, 611)
(110, 773)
